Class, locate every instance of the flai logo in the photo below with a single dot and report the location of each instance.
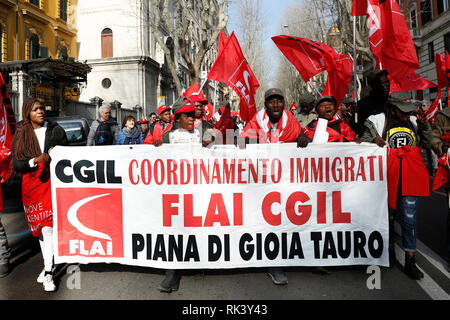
(90, 222)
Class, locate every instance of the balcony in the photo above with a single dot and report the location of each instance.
(415, 33)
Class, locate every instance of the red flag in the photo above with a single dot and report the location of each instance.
(434, 108)
(195, 88)
(390, 40)
(312, 57)
(440, 70)
(8, 128)
(359, 8)
(306, 55)
(223, 39)
(209, 111)
(232, 68)
(410, 83)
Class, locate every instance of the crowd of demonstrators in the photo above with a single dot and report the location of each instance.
(30, 158)
(381, 120)
(130, 132)
(104, 130)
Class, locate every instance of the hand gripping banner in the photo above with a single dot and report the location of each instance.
(188, 207)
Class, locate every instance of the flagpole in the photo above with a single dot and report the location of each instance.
(313, 87)
(355, 82)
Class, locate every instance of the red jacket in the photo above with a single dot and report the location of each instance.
(414, 173)
(156, 132)
(338, 131)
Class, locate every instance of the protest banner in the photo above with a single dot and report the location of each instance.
(188, 207)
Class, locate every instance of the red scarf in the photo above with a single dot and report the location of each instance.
(288, 128)
(37, 198)
(414, 174)
(157, 133)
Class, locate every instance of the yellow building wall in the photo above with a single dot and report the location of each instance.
(18, 22)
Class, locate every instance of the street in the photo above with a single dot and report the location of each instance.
(121, 282)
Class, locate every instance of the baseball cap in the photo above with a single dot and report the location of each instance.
(306, 99)
(293, 106)
(324, 99)
(198, 98)
(186, 108)
(347, 100)
(143, 121)
(273, 92)
(403, 105)
(163, 108)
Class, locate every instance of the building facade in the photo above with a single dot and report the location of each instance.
(129, 70)
(429, 23)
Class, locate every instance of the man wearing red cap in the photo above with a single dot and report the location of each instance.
(293, 109)
(144, 126)
(182, 132)
(160, 127)
(199, 101)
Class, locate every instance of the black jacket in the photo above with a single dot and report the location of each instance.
(367, 106)
(54, 136)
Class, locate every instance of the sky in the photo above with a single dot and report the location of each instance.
(273, 11)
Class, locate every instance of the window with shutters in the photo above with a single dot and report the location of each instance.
(36, 3)
(430, 52)
(63, 10)
(426, 12)
(107, 43)
(33, 47)
(442, 5)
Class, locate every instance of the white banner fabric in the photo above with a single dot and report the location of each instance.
(188, 207)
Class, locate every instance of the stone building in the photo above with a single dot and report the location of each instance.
(429, 23)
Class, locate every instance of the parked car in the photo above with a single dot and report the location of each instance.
(77, 129)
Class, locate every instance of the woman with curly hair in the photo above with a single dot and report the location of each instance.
(31, 146)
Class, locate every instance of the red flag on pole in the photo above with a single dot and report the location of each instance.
(306, 55)
(359, 8)
(196, 90)
(389, 37)
(312, 57)
(440, 70)
(223, 39)
(232, 68)
(434, 108)
(410, 83)
(8, 128)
